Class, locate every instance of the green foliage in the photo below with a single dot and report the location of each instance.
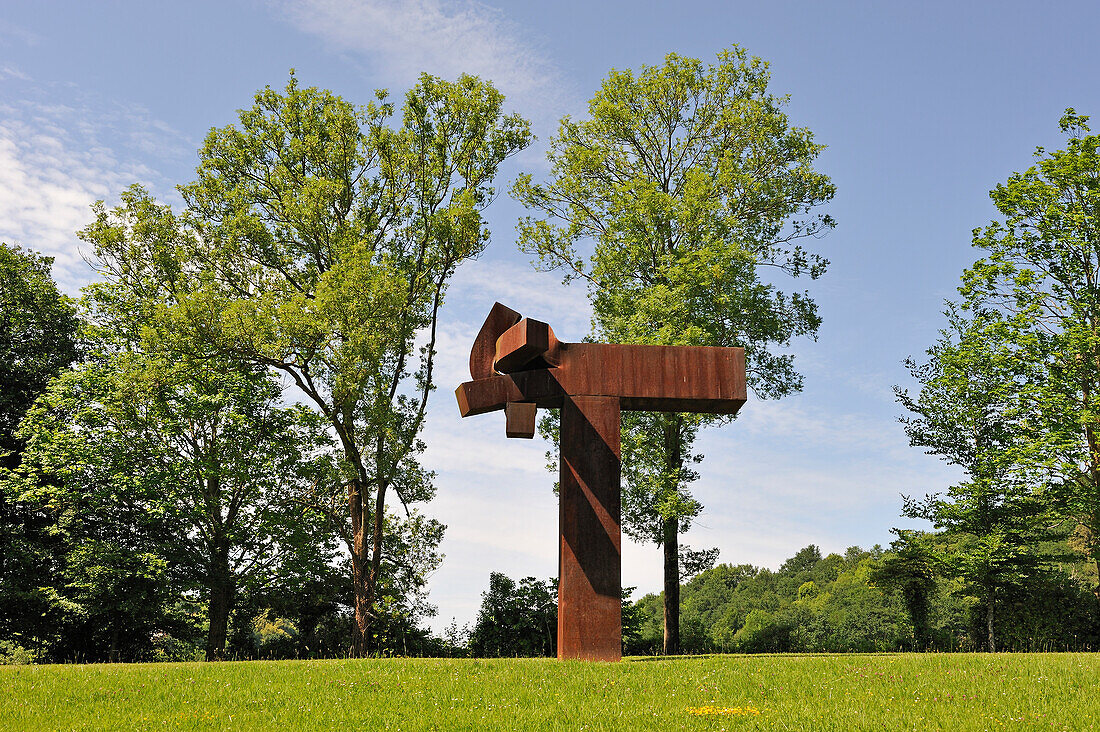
(13, 654)
(38, 328)
(689, 179)
(273, 636)
(1039, 275)
(1008, 393)
(973, 410)
(159, 476)
(167, 648)
(812, 603)
(910, 570)
(516, 619)
(38, 334)
(1051, 612)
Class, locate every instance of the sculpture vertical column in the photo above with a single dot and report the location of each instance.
(589, 548)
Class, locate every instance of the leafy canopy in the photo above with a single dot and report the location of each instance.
(38, 332)
(687, 179)
(1041, 276)
(318, 240)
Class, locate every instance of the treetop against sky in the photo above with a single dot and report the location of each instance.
(923, 109)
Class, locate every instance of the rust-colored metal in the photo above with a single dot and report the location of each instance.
(519, 365)
(524, 346)
(644, 378)
(589, 543)
(519, 419)
(500, 319)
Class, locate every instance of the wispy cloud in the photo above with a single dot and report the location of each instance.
(800, 424)
(11, 72)
(57, 158)
(19, 34)
(441, 37)
(535, 294)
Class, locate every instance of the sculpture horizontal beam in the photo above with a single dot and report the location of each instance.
(645, 378)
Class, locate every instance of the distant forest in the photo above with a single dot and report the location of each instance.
(862, 601)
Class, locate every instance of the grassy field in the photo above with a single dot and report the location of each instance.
(847, 692)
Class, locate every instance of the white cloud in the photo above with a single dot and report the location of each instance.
(441, 37)
(539, 295)
(11, 72)
(19, 34)
(57, 159)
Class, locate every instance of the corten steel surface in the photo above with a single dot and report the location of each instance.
(589, 543)
(519, 365)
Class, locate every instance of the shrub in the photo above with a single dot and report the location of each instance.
(274, 636)
(13, 654)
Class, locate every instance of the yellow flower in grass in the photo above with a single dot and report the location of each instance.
(708, 711)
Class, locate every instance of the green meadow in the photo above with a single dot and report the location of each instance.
(760, 692)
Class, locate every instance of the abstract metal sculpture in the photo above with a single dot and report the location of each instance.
(519, 365)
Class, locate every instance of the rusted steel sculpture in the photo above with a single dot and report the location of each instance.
(518, 365)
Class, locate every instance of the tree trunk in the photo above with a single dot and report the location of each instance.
(360, 573)
(112, 654)
(222, 591)
(370, 591)
(672, 586)
(671, 543)
(989, 624)
(360, 643)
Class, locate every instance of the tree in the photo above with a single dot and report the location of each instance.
(910, 570)
(973, 411)
(318, 242)
(38, 327)
(516, 619)
(38, 339)
(1042, 273)
(811, 604)
(691, 185)
(192, 466)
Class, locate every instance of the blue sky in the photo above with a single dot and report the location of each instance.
(923, 106)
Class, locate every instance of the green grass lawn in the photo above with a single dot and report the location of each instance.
(812, 692)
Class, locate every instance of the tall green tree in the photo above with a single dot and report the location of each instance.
(910, 570)
(318, 241)
(1041, 272)
(695, 192)
(38, 339)
(973, 411)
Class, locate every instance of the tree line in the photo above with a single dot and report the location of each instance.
(861, 601)
(216, 447)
